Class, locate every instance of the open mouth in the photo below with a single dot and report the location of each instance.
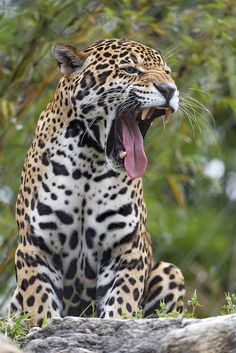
(126, 138)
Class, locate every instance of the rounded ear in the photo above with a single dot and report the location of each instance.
(69, 58)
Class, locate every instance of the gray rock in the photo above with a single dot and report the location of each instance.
(79, 335)
(7, 346)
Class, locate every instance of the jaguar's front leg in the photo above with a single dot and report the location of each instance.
(39, 284)
(120, 283)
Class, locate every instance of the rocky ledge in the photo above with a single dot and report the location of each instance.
(6, 346)
(78, 335)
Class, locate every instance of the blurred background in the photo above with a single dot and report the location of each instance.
(190, 184)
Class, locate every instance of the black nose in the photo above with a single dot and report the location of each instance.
(166, 90)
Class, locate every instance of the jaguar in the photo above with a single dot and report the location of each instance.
(80, 211)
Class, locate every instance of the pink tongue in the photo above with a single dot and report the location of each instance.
(136, 161)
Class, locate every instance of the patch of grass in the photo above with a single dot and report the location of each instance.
(230, 304)
(93, 307)
(139, 314)
(16, 327)
(125, 315)
(193, 303)
(163, 311)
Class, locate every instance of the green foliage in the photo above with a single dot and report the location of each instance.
(15, 327)
(191, 212)
(192, 304)
(139, 314)
(230, 304)
(163, 311)
(189, 312)
(92, 305)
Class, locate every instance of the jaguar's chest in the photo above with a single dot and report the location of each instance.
(90, 205)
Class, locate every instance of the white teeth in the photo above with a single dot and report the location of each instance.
(168, 114)
(145, 112)
(123, 154)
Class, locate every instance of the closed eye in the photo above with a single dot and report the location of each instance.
(167, 69)
(131, 70)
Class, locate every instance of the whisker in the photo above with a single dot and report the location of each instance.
(197, 105)
(171, 53)
(190, 118)
(103, 96)
(87, 129)
(181, 115)
(193, 109)
(200, 90)
(130, 104)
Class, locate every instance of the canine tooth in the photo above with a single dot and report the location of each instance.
(168, 114)
(145, 112)
(123, 154)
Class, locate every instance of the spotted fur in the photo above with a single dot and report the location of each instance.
(81, 218)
